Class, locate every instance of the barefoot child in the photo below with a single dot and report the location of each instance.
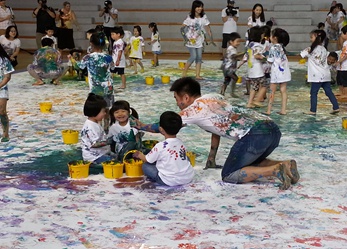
(230, 64)
(280, 72)
(318, 71)
(155, 42)
(341, 77)
(118, 57)
(137, 45)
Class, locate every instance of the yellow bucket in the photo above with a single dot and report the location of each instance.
(302, 61)
(149, 80)
(45, 107)
(79, 169)
(86, 79)
(70, 136)
(133, 167)
(191, 155)
(344, 122)
(239, 80)
(181, 65)
(149, 144)
(152, 62)
(165, 79)
(112, 169)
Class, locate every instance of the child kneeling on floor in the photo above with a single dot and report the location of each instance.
(167, 163)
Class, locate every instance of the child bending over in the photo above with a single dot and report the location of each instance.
(167, 163)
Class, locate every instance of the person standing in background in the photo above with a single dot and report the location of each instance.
(230, 16)
(45, 16)
(110, 20)
(6, 16)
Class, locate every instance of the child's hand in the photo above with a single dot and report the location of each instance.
(137, 154)
(143, 53)
(150, 43)
(69, 56)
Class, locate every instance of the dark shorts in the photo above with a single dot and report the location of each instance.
(226, 38)
(119, 70)
(341, 78)
(251, 149)
(256, 83)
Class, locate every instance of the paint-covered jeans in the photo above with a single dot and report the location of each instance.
(251, 149)
(195, 55)
(150, 170)
(315, 86)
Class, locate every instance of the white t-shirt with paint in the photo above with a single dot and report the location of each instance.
(120, 134)
(118, 47)
(195, 31)
(280, 71)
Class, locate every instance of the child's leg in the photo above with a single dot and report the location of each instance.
(150, 170)
(135, 65)
(313, 98)
(225, 84)
(248, 86)
(234, 79)
(273, 87)
(250, 99)
(123, 80)
(56, 81)
(155, 59)
(4, 120)
(141, 65)
(329, 93)
(283, 89)
(32, 72)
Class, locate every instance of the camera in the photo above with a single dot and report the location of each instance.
(106, 4)
(44, 4)
(231, 10)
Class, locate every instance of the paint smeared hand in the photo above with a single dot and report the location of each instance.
(211, 164)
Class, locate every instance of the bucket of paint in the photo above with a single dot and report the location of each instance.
(344, 122)
(133, 167)
(152, 62)
(70, 136)
(239, 80)
(45, 107)
(191, 155)
(86, 79)
(113, 169)
(149, 80)
(302, 61)
(165, 79)
(79, 169)
(181, 65)
(149, 144)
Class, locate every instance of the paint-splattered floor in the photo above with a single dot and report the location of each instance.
(42, 208)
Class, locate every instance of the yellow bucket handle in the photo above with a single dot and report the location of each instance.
(125, 155)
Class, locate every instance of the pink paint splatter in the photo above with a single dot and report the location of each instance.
(314, 241)
(235, 218)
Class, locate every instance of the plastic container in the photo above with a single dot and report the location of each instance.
(133, 167)
(79, 169)
(149, 80)
(239, 80)
(149, 144)
(191, 155)
(302, 61)
(70, 136)
(344, 122)
(45, 107)
(113, 169)
(181, 65)
(165, 79)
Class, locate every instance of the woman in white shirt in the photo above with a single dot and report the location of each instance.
(11, 43)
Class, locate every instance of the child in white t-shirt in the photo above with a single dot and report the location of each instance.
(167, 163)
(50, 35)
(155, 42)
(95, 147)
(137, 45)
(118, 56)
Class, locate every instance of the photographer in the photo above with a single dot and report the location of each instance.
(45, 17)
(110, 20)
(230, 16)
(6, 17)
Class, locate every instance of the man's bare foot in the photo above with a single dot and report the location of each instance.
(39, 83)
(283, 176)
(292, 171)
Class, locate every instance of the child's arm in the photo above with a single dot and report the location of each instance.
(119, 57)
(5, 80)
(140, 155)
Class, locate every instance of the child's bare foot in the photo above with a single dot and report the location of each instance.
(283, 176)
(335, 111)
(39, 83)
(235, 95)
(258, 104)
(250, 106)
(281, 113)
(292, 171)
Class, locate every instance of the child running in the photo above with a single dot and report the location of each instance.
(118, 56)
(230, 64)
(155, 42)
(125, 137)
(318, 71)
(99, 74)
(137, 45)
(280, 72)
(167, 163)
(95, 147)
(5, 77)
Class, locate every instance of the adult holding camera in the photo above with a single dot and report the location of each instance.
(110, 15)
(6, 17)
(230, 16)
(45, 17)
